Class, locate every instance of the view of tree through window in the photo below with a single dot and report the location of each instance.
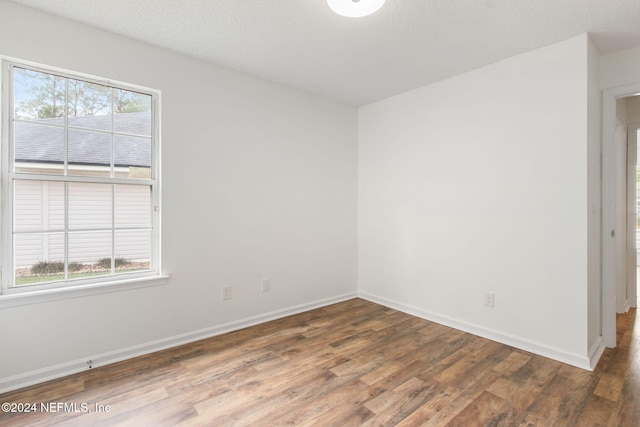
(82, 178)
(42, 96)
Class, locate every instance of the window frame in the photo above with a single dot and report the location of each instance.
(72, 286)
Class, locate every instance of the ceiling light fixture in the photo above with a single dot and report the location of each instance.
(355, 8)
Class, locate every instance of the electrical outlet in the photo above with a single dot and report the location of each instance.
(266, 285)
(489, 299)
(226, 292)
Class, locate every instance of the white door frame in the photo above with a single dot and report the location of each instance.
(609, 207)
(632, 161)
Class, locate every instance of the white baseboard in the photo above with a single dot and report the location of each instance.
(595, 352)
(57, 371)
(573, 359)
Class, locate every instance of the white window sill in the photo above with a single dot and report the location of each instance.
(48, 295)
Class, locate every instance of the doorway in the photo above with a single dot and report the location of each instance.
(621, 111)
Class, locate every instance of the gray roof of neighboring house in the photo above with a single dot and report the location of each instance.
(37, 141)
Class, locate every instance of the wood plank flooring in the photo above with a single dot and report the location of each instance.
(350, 364)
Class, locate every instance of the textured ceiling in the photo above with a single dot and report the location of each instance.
(407, 44)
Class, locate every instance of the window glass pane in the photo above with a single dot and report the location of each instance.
(89, 153)
(89, 254)
(38, 148)
(89, 105)
(133, 250)
(132, 206)
(89, 206)
(38, 205)
(74, 128)
(132, 112)
(38, 96)
(38, 258)
(132, 156)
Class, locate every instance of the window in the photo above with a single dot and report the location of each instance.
(80, 180)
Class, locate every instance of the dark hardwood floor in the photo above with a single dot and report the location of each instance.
(349, 364)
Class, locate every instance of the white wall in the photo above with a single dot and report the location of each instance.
(258, 181)
(594, 221)
(619, 68)
(632, 108)
(480, 183)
